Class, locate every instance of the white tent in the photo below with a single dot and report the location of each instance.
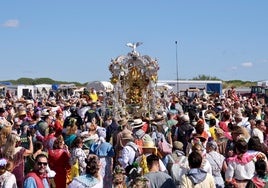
(163, 86)
(100, 86)
(43, 88)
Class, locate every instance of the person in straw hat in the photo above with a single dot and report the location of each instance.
(138, 133)
(149, 148)
(242, 121)
(237, 132)
(130, 150)
(123, 127)
(138, 123)
(221, 140)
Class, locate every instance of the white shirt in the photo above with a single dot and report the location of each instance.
(8, 180)
(240, 171)
(128, 156)
(78, 184)
(257, 132)
(66, 113)
(82, 111)
(206, 166)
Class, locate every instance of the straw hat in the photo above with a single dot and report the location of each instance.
(67, 104)
(22, 112)
(28, 101)
(123, 121)
(137, 123)
(127, 136)
(176, 99)
(148, 144)
(44, 113)
(178, 145)
(210, 114)
(53, 103)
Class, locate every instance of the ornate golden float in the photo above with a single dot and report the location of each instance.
(134, 78)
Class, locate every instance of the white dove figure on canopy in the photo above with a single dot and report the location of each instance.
(134, 45)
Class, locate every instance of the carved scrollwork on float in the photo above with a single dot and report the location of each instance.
(134, 78)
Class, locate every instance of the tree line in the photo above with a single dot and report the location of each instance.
(36, 81)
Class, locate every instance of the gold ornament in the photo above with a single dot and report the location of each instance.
(114, 80)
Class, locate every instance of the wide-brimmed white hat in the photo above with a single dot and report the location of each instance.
(137, 123)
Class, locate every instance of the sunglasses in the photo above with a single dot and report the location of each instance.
(42, 163)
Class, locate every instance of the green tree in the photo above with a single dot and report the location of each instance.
(26, 81)
(205, 77)
(44, 81)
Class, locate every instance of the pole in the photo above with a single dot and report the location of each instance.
(177, 67)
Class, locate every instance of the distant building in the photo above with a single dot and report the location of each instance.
(211, 86)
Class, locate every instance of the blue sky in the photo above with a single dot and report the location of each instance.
(76, 40)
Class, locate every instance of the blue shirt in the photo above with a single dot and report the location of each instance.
(30, 183)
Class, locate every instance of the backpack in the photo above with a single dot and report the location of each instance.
(139, 142)
(162, 145)
(135, 148)
(178, 169)
(156, 136)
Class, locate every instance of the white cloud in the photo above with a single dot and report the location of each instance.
(264, 61)
(11, 23)
(247, 64)
(234, 68)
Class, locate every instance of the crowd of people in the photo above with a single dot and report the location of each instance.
(195, 140)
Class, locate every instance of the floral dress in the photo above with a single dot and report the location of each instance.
(78, 154)
(8, 180)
